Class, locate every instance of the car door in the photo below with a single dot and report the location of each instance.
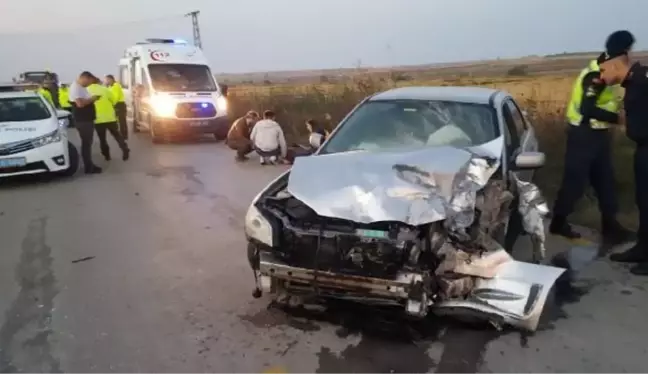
(522, 136)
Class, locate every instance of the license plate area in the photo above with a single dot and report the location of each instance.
(198, 123)
(17, 162)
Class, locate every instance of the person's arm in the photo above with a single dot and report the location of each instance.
(253, 134)
(110, 96)
(592, 89)
(282, 142)
(76, 98)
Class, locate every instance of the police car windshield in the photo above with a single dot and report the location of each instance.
(23, 109)
(406, 124)
(181, 78)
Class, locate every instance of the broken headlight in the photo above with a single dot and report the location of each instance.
(258, 227)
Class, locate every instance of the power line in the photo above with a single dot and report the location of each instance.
(89, 27)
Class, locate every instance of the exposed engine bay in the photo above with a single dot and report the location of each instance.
(454, 263)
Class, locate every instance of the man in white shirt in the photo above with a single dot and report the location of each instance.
(268, 139)
(84, 113)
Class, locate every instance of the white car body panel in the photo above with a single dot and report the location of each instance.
(16, 143)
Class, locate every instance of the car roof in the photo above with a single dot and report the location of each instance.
(13, 94)
(475, 95)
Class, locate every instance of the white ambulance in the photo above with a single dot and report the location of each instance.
(170, 90)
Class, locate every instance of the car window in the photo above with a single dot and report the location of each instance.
(381, 125)
(23, 109)
(181, 77)
(518, 118)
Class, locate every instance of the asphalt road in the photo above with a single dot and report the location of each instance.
(143, 268)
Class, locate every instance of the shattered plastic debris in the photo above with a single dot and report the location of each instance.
(533, 209)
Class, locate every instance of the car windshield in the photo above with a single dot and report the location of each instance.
(39, 77)
(384, 125)
(181, 78)
(23, 109)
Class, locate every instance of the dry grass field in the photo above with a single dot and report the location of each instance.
(542, 89)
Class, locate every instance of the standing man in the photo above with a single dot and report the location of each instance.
(84, 115)
(238, 136)
(634, 77)
(593, 108)
(64, 97)
(120, 103)
(106, 120)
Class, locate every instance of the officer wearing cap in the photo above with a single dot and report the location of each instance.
(617, 69)
(593, 108)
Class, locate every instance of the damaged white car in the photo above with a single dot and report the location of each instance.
(412, 201)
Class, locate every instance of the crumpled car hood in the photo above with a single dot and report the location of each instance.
(415, 187)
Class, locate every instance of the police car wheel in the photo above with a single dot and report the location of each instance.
(74, 161)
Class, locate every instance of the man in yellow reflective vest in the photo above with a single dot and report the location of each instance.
(120, 103)
(64, 97)
(106, 120)
(592, 109)
(46, 94)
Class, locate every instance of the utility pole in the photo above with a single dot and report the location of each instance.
(196, 27)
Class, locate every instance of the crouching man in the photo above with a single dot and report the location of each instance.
(268, 139)
(238, 137)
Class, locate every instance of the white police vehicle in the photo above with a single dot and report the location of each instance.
(33, 135)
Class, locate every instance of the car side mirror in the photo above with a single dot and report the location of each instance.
(62, 114)
(224, 89)
(528, 161)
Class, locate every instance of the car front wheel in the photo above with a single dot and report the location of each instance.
(73, 164)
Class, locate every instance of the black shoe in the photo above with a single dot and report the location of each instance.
(240, 158)
(640, 269)
(615, 234)
(562, 228)
(94, 170)
(635, 254)
(126, 155)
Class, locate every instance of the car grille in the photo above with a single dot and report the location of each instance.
(195, 110)
(17, 147)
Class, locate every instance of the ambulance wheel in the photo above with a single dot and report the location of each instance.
(73, 155)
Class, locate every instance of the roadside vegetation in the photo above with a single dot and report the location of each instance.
(543, 97)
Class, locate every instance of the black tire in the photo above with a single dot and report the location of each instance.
(219, 137)
(74, 161)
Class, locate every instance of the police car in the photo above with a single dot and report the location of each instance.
(33, 135)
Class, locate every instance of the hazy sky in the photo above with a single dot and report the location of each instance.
(68, 36)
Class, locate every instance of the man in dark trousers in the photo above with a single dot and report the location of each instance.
(617, 69)
(593, 108)
(84, 117)
(120, 103)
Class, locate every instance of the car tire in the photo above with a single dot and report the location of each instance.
(73, 167)
(219, 136)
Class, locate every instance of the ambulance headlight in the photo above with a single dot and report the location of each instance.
(221, 104)
(163, 106)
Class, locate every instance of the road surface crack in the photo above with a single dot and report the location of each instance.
(24, 336)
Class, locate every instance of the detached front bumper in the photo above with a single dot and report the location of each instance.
(218, 126)
(406, 288)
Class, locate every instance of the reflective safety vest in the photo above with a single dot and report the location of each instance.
(117, 92)
(64, 98)
(46, 94)
(609, 100)
(105, 106)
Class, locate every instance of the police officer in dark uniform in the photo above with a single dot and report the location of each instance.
(634, 77)
(593, 108)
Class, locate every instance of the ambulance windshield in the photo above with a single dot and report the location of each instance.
(181, 78)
